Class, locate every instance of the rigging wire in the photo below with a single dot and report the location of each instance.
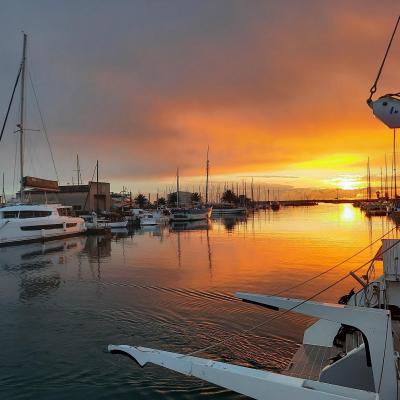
(43, 123)
(10, 103)
(335, 266)
(384, 353)
(278, 316)
(374, 86)
(87, 196)
(15, 164)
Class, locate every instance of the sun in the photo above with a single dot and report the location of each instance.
(346, 182)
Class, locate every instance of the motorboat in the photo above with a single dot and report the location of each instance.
(133, 215)
(350, 352)
(21, 223)
(190, 214)
(93, 222)
(156, 217)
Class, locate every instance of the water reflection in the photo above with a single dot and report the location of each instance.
(168, 287)
(191, 225)
(31, 287)
(348, 213)
(120, 232)
(32, 264)
(98, 247)
(151, 230)
(38, 255)
(230, 222)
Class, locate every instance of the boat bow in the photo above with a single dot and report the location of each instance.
(254, 383)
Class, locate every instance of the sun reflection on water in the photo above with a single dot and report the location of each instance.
(348, 213)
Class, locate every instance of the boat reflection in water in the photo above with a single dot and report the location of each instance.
(191, 225)
(34, 255)
(231, 221)
(98, 247)
(119, 232)
(33, 264)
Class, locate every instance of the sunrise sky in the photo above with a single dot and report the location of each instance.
(276, 88)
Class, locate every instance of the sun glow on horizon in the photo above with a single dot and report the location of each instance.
(346, 182)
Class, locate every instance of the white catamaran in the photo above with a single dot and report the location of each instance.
(24, 222)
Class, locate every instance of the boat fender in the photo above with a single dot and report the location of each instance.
(387, 110)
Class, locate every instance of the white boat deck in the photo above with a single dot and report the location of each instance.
(309, 360)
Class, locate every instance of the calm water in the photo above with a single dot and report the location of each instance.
(62, 303)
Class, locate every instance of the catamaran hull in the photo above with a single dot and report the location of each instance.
(12, 234)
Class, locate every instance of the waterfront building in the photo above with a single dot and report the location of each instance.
(185, 198)
(91, 197)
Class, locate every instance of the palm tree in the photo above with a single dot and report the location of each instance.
(196, 198)
(141, 200)
(161, 202)
(230, 197)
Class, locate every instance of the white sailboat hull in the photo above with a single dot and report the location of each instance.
(191, 215)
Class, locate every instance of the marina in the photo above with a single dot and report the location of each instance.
(204, 207)
(95, 290)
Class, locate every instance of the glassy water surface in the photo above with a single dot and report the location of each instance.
(63, 302)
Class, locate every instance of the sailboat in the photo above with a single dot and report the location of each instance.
(24, 222)
(184, 214)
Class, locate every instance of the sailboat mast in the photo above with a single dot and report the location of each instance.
(368, 181)
(207, 173)
(78, 170)
(252, 192)
(386, 180)
(3, 192)
(97, 187)
(21, 119)
(177, 187)
(394, 163)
